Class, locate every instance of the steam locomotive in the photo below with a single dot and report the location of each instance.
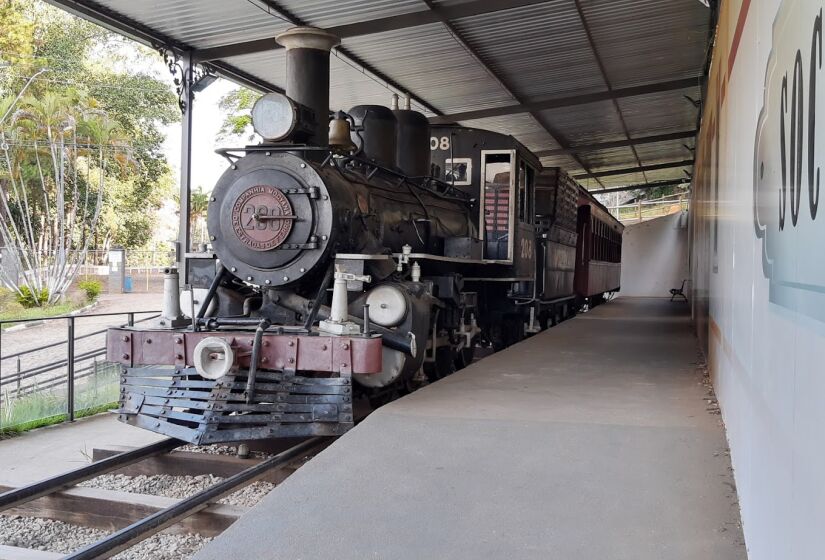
(361, 253)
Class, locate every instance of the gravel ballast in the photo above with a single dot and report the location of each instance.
(56, 536)
(60, 537)
(178, 487)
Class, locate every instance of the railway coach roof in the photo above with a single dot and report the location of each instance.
(606, 89)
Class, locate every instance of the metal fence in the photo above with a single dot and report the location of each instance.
(144, 268)
(64, 377)
(643, 210)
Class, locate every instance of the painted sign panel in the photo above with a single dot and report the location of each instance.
(788, 160)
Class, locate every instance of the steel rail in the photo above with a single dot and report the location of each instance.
(70, 478)
(136, 532)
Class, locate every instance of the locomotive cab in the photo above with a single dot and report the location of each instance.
(500, 173)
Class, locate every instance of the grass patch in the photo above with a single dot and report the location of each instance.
(33, 313)
(93, 394)
(18, 429)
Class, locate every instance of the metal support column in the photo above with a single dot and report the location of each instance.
(187, 97)
(70, 368)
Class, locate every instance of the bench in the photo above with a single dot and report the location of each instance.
(678, 292)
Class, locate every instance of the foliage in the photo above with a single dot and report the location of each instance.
(91, 288)
(8, 301)
(237, 105)
(17, 39)
(29, 298)
(45, 402)
(97, 70)
(81, 163)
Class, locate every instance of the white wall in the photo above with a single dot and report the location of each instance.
(655, 256)
(759, 269)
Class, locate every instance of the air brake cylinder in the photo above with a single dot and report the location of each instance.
(338, 321)
(171, 316)
(307, 73)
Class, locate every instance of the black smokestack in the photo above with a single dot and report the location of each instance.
(307, 73)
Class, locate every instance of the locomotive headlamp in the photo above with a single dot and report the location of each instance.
(277, 117)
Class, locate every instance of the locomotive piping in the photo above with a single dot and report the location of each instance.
(253, 362)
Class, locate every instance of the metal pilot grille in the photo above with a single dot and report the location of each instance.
(181, 404)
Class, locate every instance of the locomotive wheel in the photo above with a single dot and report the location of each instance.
(544, 320)
(496, 335)
(513, 330)
(386, 396)
(464, 358)
(443, 365)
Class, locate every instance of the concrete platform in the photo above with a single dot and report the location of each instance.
(48, 451)
(588, 441)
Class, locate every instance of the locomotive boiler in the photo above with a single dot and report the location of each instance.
(350, 258)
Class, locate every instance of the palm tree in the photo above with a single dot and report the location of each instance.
(198, 205)
(58, 129)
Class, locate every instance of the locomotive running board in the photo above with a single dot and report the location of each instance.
(181, 404)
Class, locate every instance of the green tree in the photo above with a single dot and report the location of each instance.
(17, 39)
(237, 107)
(198, 206)
(97, 69)
(49, 245)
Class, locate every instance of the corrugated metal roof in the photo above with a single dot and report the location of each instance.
(202, 23)
(609, 158)
(521, 126)
(673, 150)
(659, 113)
(538, 51)
(589, 123)
(324, 13)
(643, 41)
(428, 60)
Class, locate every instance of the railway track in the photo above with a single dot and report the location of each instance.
(132, 518)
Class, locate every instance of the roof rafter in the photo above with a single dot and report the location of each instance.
(558, 102)
(582, 148)
(379, 25)
(554, 134)
(641, 186)
(640, 169)
(606, 79)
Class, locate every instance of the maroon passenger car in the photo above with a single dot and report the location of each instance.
(598, 251)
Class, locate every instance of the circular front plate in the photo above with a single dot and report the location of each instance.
(255, 217)
(270, 218)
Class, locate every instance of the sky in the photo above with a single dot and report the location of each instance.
(207, 166)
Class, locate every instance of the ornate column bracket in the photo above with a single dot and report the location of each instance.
(183, 83)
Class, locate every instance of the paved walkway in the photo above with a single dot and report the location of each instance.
(45, 452)
(590, 441)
